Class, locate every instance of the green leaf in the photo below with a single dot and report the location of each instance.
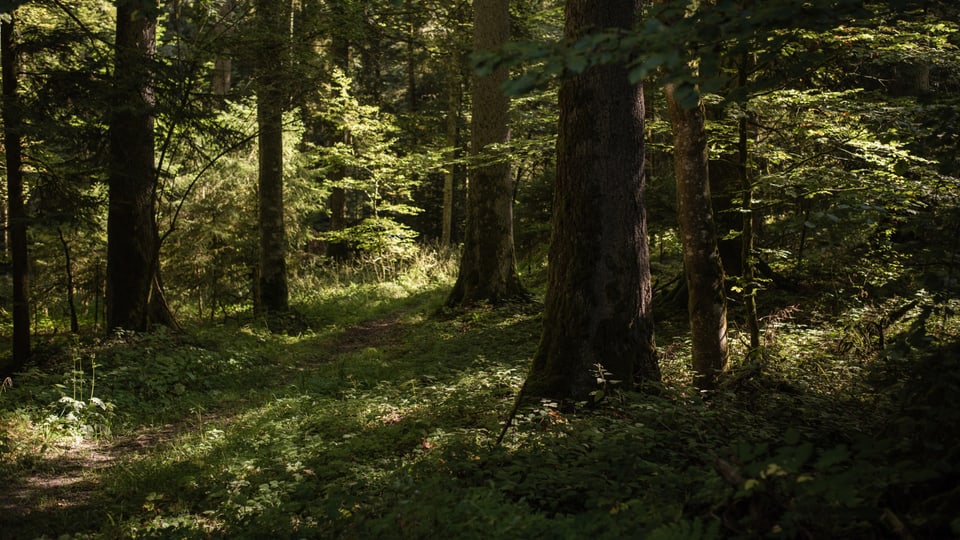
(791, 437)
(521, 85)
(577, 64)
(834, 456)
(649, 65)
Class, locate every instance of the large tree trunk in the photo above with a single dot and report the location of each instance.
(488, 267)
(707, 304)
(598, 300)
(131, 228)
(270, 102)
(17, 228)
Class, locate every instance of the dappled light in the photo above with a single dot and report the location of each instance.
(361, 431)
(382, 269)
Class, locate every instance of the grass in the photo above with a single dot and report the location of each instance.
(379, 421)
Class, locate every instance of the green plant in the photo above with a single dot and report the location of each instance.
(81, 413)
(605, 384)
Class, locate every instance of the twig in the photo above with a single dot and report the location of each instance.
(512, 415)
(897, 527)
(728, 472)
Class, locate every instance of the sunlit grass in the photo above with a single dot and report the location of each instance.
(347, 427)
(380, 420)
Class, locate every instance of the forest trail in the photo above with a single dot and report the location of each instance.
(374, 332)
(65, 481)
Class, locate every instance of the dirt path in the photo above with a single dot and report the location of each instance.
(65, 483)
(376, 332)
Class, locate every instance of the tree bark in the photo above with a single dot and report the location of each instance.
(488, 266)
(598, 299)
(131, 227)
(273, 33)
(411, 64)
(706, 297)
(452, 122)
(223, 63)
(16, 212)
(747, 256)
(68, 267)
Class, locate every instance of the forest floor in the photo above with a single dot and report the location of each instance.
(65, 479)
(66, 476)
(380, 421)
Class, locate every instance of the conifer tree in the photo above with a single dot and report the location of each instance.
(597, 318)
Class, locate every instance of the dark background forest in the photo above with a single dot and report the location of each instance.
(498, 269)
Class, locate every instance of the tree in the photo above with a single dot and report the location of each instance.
(16, 213)
(454, 99)
(488, 267)
(223, 64)
(132, 245)
(706, 295)
(271, 23)
(597, 314)
(337, 202)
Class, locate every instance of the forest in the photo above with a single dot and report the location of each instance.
(665, 269)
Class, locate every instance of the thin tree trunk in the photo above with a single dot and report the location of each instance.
(706, 296)
(412, 101)
(16, 213)
(453, 114)
(223, 63)
(370, 60)
(98, 294)
(488, 267)
(749, 261)
(339, 250)
(270, 101)
(68, 265)
(598, 305)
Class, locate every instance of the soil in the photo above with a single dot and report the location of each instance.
(64, 483)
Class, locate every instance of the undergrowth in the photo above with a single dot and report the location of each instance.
(379, 420)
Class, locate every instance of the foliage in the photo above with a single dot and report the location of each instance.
(381, 421)
(672, 38)
(378, 417)
(370, 163)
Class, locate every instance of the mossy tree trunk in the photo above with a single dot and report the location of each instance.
(17, 224)
(272, 24)
(706, 297)
(598, 291)
(488, 267)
